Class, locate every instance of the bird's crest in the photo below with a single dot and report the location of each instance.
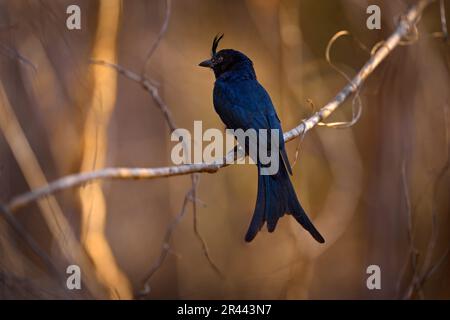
(216, 40)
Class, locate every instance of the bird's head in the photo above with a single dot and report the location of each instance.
(226, 60)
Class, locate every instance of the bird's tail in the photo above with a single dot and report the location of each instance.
(276, 196)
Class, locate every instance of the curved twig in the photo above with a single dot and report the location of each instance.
(161, 33)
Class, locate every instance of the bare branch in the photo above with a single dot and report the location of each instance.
(148, 85)
(356, 102)
(165, 248)
(426, 270)
(436, 266)
(205, 250)
(14, 54)
(413, 253)
(34, 246)
(160, 35)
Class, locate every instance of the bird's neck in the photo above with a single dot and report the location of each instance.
(239, 71)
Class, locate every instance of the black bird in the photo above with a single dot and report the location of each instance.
(242, 103)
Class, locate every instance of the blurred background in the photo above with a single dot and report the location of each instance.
(378, 191)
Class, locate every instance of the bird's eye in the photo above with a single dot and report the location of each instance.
(217, 60)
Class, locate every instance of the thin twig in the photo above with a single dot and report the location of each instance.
(356, 102)
(161, 34)
(205, 250)
(436, 266)
(14, 54)
(419, 277)
(79, 179)
(148, 85)
(165, 248)
(412, 252)
(34, 246)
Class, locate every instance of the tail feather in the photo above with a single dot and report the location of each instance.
(300, 215)
(274, 206)
(259, 214)
(276, 196)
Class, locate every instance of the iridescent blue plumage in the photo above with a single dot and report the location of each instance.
(242, 103)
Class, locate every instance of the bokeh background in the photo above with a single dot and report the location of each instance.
(378, 191)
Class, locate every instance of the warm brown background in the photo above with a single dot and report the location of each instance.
(349, 181)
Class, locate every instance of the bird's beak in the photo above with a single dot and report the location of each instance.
(206, 64)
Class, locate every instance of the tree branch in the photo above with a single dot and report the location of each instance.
(427, 268)
(161, 34)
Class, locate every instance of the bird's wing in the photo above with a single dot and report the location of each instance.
(248, 106)
(274, 122)
(240, 107)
